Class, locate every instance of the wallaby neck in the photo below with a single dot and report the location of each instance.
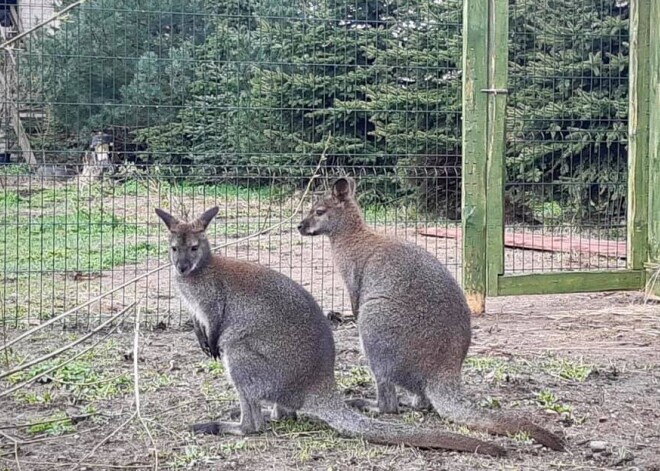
(350, 236)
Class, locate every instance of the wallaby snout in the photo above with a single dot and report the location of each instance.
(183, 267)
(304, 226)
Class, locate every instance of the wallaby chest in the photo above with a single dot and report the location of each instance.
(200, 302)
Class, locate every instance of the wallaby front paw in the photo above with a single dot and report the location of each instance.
(208, 428)
(363, 405)
(218, 428)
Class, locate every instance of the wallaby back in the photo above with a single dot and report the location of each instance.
(413, 318)
(275, 342)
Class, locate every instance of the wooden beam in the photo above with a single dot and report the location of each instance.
(475, 122)
(498, 64)
(571, 282)
(638, 131)
(654, 138)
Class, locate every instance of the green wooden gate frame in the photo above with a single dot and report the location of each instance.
(485, 67)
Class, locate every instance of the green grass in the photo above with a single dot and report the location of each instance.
(56, 424)
(78, 241)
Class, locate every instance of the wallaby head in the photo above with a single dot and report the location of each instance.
(336, 212)
(189, 246)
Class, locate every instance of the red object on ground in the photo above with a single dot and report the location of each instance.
(545, 243)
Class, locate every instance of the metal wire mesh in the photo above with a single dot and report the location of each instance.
(121, 106)
(130, 105)
(567, 135)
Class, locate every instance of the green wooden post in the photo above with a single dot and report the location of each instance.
(654, 141)
(498, 58)
(475, 122)
(638, 131)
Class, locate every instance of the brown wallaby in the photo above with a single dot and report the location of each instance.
(276, 344)
(413, 318)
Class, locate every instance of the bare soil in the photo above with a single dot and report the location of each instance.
(521, 348)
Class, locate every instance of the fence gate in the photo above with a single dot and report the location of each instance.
(572, 211)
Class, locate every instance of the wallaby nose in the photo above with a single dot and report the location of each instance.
(300, 226)
(182, 268)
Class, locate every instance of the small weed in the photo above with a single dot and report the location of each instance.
(356, 377)
(491, 403)
(213, 367)
(570, 370)
(412, 417)
(488, 367)
(191, 456)
(56, 424)
(153, 381)
(523, 437)
(548, 401)
(308, 448)
(32, 398)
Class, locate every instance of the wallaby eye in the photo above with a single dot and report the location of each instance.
(173, 249)
(194, 248)
(320, 212)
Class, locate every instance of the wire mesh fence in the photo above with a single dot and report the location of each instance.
(567, 135)
(121, 106)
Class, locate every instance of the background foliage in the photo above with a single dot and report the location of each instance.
(259, 82)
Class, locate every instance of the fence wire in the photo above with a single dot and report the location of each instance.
(567, 135)
(121, 106)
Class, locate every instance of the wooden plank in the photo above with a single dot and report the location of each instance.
(546, 243)
(475, 122)
(638, 130)
(571, 282)
(498, 58)
(654, 138)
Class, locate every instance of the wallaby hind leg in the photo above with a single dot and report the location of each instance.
(420, 402)
(252, 421)
(386, 400)
(279, 412)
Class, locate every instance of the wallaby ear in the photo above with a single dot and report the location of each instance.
(343, 188)
(202, 222)
(170, 221)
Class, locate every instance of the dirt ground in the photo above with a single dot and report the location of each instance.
(584, 365)
(594, 356)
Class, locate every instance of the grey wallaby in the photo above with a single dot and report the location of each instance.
(413, 318)
(276, 344)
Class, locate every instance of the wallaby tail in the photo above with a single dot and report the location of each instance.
(332, 410)
(449, 403)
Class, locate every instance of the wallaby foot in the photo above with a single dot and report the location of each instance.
(386, 400)
(252, 420)
(279, 412)
(421, 402)
(218, 428)
(388, 403)
(363, 405)
(276, 413)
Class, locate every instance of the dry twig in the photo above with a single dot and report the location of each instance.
(68, 346)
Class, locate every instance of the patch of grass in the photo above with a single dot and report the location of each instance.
(568, 369)
(491, 403)
(153, 381)
(212, 367)
(56, 424)
(225, 191)
(33, 398)
(548, 401)
(191, 456)
(523, 437)
(87, 381)
(84, 240)
(490, 368)
(309, 447)
(356, 377)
